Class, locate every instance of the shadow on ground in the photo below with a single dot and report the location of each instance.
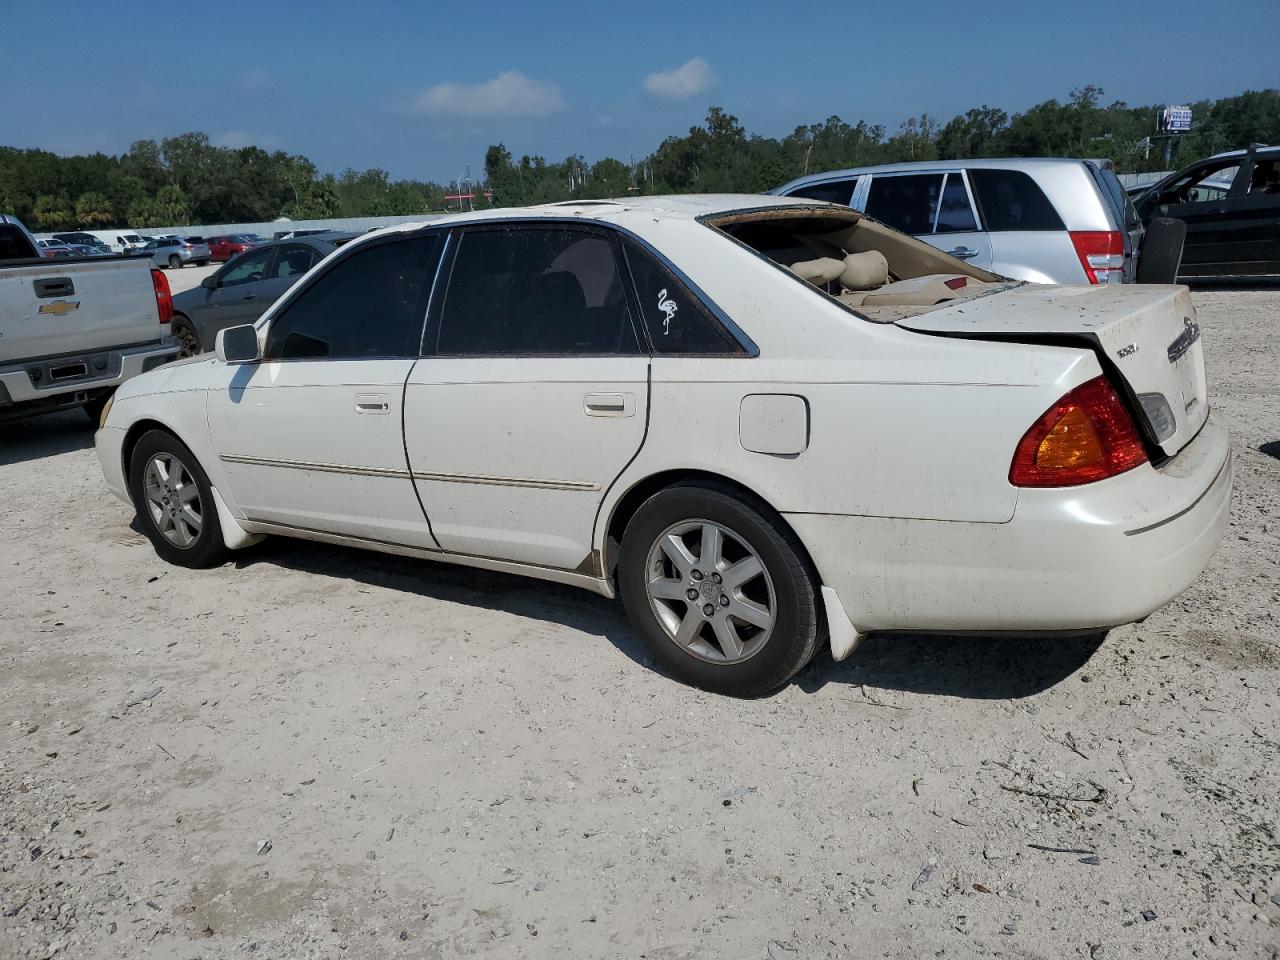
(1271, 448)
(44, 435)
(976, 667)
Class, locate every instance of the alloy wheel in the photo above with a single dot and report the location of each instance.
(710, 591)
(173, 500)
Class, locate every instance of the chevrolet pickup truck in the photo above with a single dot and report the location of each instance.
(72, 330)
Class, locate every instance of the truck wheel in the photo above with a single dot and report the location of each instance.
(174, 501)
(719, 590)
(175, 261)
(189, 342)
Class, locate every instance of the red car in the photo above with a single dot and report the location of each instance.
(226, 247)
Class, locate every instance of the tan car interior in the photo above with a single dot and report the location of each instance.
(883, 274)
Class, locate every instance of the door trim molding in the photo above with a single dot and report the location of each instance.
(532, 482)
(317, 467)
(536, 484)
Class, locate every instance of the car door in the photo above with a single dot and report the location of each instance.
(291, 262)
(1252, 227)
(234, 297)
(1199, 199)
(310, 436)
(936, 206)
(532, 394)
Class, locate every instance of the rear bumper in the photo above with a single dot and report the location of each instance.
(104, 369)
(1079, 558)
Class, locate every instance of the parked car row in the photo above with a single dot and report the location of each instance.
(106, 242)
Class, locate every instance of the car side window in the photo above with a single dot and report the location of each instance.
(675, 317)
(529, 291)
(1011, 200)
(293, 260)
(250, 268)
(955, 212)
(836, 191)
(369, 304)
(906, 202)
(1265, 180)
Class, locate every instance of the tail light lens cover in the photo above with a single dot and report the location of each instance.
(1101, 253)
(164, 299)
(1086, 436)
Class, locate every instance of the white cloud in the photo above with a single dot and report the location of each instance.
(255, 78)
(687, 80)
(235, 139)
(509, 94)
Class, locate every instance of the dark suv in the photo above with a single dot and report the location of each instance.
(1231, 206)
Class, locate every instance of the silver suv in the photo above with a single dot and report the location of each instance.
(1045, 220)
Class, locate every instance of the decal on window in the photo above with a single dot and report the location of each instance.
(667, 306)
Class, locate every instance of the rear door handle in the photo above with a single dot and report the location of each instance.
(376, 403)
(249, 296)
(962, 253)
(610, 404)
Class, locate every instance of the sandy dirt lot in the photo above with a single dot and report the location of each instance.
(315, 752)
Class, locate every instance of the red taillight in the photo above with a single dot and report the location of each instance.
(1088, 435)
(164, 299)
(1101, 254)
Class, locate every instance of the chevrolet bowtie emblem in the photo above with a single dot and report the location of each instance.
(59, 308)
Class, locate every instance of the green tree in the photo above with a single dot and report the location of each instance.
(93, 210)
(52, 212)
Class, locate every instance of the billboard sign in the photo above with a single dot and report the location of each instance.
(1176, 119)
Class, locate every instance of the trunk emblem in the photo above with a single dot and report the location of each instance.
(1189, 335)
(59, 308)
(1128, 351)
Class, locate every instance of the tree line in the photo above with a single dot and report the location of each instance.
(188, 180)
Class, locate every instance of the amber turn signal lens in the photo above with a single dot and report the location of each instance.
(1088, 435)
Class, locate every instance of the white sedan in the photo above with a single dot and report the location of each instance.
(768, 424)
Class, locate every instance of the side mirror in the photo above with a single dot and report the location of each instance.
(237, 344)
(210, 282)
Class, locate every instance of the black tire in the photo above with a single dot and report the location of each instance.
(175, 262)
(95, 405)
(206, 548)
(185, 331)
(797, 627)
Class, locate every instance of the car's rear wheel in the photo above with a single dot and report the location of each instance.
(175, 261)
(188, 341)
(174, 501)
(719, 589)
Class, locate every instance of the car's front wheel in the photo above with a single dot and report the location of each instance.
(174, 501)
(719, 589)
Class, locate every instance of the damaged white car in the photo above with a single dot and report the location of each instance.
(767, 424)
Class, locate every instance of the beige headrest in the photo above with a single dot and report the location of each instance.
(822, 270)
(864, 271)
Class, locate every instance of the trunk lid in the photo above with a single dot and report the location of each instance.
(1147, 334)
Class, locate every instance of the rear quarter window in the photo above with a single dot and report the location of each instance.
(1011, 200)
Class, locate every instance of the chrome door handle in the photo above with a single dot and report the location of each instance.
(249, 296)
(373, 403)
(610, 404)
(962, 253)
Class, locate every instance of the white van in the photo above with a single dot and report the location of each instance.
(121, 240)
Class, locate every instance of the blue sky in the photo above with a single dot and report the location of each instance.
(422, 88)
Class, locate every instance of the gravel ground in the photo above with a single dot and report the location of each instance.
(314, 752)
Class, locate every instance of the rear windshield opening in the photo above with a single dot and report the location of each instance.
(864, 265)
